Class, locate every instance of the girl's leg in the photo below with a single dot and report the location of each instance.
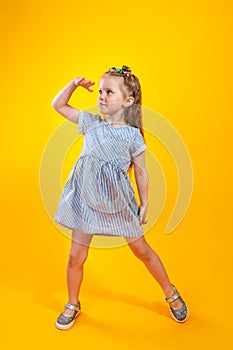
(147, 255)
(78, 255)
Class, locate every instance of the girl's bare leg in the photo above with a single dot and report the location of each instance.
(147, 255)
(78, 255)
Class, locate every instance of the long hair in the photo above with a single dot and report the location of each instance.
(131, 87)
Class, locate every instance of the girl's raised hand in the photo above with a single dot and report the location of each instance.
(84, 83)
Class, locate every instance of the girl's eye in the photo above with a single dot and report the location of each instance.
(100, 92)
(109, 92)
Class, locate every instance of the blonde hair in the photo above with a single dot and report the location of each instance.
(131, 87)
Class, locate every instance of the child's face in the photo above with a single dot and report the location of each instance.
(111, 100)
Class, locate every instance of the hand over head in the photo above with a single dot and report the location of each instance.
(84, 83)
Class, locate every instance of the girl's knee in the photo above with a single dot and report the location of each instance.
(78, 256)
(141, 249)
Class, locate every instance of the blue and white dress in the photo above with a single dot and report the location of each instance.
(98, 197)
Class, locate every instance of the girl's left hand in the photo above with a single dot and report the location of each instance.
(142, 214)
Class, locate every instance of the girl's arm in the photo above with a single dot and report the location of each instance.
(60, 102)
(142, 181)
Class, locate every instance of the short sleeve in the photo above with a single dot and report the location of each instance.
(138, 144)
(86, 121)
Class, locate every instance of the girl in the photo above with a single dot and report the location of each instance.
(98, 197)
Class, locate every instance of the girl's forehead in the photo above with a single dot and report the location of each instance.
(114, 82)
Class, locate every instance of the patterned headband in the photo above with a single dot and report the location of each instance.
(122, 71)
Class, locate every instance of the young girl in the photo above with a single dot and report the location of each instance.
(98, 197)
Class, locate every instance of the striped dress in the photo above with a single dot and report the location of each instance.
(98, 197)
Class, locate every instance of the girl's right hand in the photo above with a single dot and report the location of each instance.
(84, 83)
(142, 214)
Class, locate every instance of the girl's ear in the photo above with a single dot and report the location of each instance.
(130, 100)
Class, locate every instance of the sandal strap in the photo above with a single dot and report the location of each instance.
(175, 296)
(73, 306)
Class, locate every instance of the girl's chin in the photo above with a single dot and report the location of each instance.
(103, 108)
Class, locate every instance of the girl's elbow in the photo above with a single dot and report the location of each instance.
(141, 172)
(56, 106)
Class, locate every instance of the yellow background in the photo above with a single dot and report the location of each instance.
(182, 53)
